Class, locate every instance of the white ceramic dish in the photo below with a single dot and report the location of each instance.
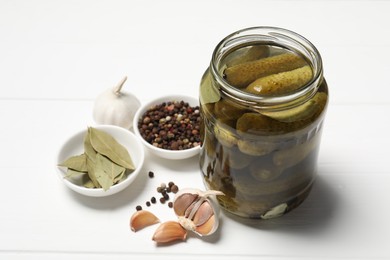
(167, 154)
(74, 146)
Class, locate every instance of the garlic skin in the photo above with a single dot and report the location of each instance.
(113, 107)
(197, 210)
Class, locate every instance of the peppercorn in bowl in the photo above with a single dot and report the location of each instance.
(169, 126)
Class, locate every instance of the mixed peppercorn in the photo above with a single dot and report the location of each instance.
(171, 125)
(164, 189)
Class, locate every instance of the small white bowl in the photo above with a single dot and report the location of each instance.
(164, 153)
(75, 146)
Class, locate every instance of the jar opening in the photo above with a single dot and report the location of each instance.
(279, 40)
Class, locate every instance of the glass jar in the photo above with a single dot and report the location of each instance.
(263, 101)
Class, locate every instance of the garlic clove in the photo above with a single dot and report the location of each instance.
(208, 227)
(169, 231)
(275, 212)
(183, 202)
(193, 208)
(200, 215)
(141, 219)
(203, 214)
(185, 198)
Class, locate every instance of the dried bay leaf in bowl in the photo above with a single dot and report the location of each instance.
(105, 144)
(107, 171)
(104, 162)
(77, 163)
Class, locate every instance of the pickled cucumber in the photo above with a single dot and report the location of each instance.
(303, 112)
(255, 148)
(281, 83)
(235, 159)
(255, 123)
(225, 136)
(226, 110)
(264, 171)
(288, 184)
(289, 157)
(243, 74)
(246, 54)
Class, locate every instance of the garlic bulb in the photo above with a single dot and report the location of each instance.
(114, 107)
(197, 210)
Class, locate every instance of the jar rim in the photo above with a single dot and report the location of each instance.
(273, 36)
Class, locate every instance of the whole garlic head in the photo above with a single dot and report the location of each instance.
(114, 107)
(197, 210)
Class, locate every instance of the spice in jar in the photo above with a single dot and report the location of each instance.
(172, 125)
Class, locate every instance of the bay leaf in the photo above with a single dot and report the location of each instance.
(77, 163)
(87, 183)
(121, 176)
(104, 181)
(209, 93)
(91, 158)
(92, 172)
(98, 166)
(105, 144)
(88, 149)
(71, 173)
(106, 171)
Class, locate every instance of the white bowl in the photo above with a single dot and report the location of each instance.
(75, 146)
(164, 153)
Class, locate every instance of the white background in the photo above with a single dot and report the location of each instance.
(57, 56)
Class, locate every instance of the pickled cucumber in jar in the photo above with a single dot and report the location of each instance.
(263, 108)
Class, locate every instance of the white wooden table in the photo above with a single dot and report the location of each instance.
(57, 56)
